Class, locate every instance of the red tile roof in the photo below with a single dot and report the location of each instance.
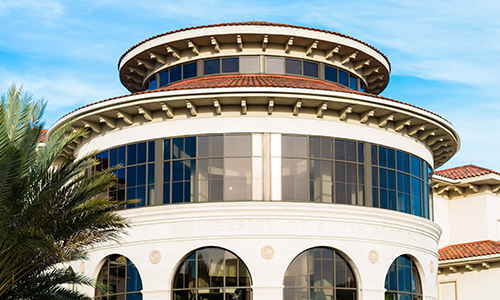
(42, 136)
(467, 250)
(259, 80)
(464, 172)
(258, 23)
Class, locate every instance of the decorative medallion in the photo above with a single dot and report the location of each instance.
(267, 252)
(373, 256)
(155, 256)
(431, 266)
(82, 267)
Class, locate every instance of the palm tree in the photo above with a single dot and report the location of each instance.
(50, 214)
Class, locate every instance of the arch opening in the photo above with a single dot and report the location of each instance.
(122, 277)
(402, 281)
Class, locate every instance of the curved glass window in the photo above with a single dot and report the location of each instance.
(122, 277)
(320, 273)
(212, 273)
(251, 65)
(402, 281)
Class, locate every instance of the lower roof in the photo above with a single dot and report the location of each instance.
(463, 172)
(469, 250)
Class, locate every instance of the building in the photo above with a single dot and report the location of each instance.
(267, 167)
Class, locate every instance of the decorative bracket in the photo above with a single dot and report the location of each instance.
(344, 112)
(296, 107)
(288, 45)
(175, 53)
(215, 43)
(192, 108)
(334, 50)
(311, 47)
(167, 109)
(126, 117)
(195, 48)
(145, 112)
(320, 111)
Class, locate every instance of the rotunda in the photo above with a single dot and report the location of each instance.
(267, 167)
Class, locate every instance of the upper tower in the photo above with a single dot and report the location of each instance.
(253, 48)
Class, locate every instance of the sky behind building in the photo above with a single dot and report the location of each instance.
(444, 55)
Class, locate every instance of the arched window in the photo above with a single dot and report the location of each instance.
(402, 281)
(320, 274)
(212, 273)
(122, 277)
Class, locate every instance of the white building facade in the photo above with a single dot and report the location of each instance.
(266, 167)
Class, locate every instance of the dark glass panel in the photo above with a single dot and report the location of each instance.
(121, 155)
(131, 196)
(340, 150)
(392, 200)
(345, 294)
(177, 192)
(362, 86)
(141, 194)
(131, 176)
(151, 151)
(340, 193)
(164, 78)
(211, 66)
(113, 157)
(190, 147)
(374, 155)
(141, 174)
(331, 74)
(315, 147)
(375, 202)
(383, 178)
(189, 70)
(361, 152)
(230, 65)
(166, 171)
(141, 153)
(177, 148)
(382, 156)
(391, 158)
(361, 174)
(350, 150)
(391, 179)
(416, 167)
(166, 149)
(293, 66)
(403, 162)
(131, 154)
(384, 199)
(311, 69)
(353, 83)
(343, 78)
(153, 83)
(351, 174)
(177, 170)
(175, 74)
(189, 169)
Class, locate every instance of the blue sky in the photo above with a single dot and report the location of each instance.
(444, 54)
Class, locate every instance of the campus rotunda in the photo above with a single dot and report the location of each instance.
(267, 167)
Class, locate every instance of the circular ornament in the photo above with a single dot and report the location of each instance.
(373, 256)
(267, 252)
(431, 266)
(82, 267)
(155, 256)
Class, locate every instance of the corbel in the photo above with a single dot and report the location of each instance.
(424, 134)
(375, 77)
(134, 85)
(347, 58)
(68, 151)
(439, 152)
(140, 71)
(175, 52)
(78, 140)
(366, 115)
(270, 106)
(474, 187)
(96, 127)
(439, 145)
(146, 63)
(399, 125)
(485, 265)
(495, 188)
(370, 71)
(382, 121)
(194, 47)
(239, 41)
(265, 40)
(192, 108)
(334, 50)
(458, 190)
(218, 108)
(289, 44)
(72, 146)
(126, 117)
(442, 189)
(469, 267)
(162, 59)
(433, 139)
(296, 107)
(361, 63)
(412, 130)
(145, 112)
(344, 112)
(167, 109)
(110, 122)
(453, 269)
(374, 85)
(243, 106)
(320, 111)
(311, 47)
(215, 43)
(134, 77)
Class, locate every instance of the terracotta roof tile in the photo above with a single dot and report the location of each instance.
(42, 136)
(464, 172)
(466, 250)
(259, 80)
(261, 23)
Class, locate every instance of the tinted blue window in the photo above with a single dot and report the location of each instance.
(177, 148)
(141, 175)
(151, 151)
(190, 149)
(331, 74)
(391, 179)
(166, 193)
(382, 156)
(392, 200)
(361, 174)
(177, 170)
(189, 169)
(187, 191)
(211, 66)
(131, 176)
(375, 202)
(121, 176)
(166, 149)
(189, 70)
(141, 153)
(391, 158)
(293, 66)
(361, 152)
(343, 78)
(230, 65)
(416, 167)
(131, 154)
(353, 83)
(131, 196)
(164, 78)
(141, 194)
(113, 157)
(403, 162)
(374, 155)
(177, 192)
(362, 87)
(175, 74)
(384, 199)
(151, 173)
(311, 69)
(166, 171)
(153, 83)
(121, 156)
(383, 178)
